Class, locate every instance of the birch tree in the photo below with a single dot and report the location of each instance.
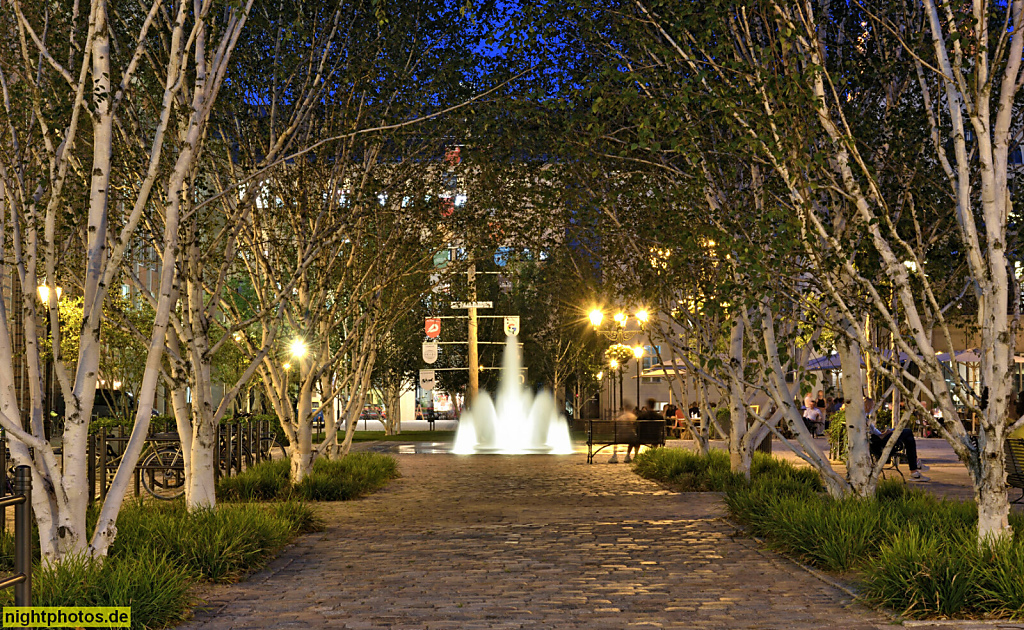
(92, 99)
(867, 72)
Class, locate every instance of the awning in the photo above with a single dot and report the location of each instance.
(669, 368)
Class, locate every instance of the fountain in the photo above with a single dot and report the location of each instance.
(517, 422)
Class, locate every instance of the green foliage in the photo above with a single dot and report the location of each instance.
(688, 471)
(916, 553)
(157, 589)
(838, 443)
(265, 481)
(351, 477)
(160, 551)
(221, 544)
(301, 515)
(162, 424)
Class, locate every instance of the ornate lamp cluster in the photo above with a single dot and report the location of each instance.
(618, 354)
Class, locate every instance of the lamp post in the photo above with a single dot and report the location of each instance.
(619, 334)
(638, 352)
(611, 371)
(48, 410)
(298, 350)
(600, 378)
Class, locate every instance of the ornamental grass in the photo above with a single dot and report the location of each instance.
(906, 549)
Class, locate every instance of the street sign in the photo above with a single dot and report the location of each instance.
(512, 326)
(429, 351)
(472, 304)
(433, 328)
(426, 380)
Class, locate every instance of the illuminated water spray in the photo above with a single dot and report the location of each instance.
(517, 422)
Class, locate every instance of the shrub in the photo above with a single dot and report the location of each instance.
(301, 515)
(838, 441)
(265, 481)
(918, 573)
(221, 544)
(156, 588)
(350, 477)
(687, 471)
(915, 552)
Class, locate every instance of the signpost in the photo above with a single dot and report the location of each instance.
(472, 305)
(427, 380)
(433, 327)
(433, 331)
(430, 351)
(512, 326)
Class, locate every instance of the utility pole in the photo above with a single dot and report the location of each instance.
(474, 357)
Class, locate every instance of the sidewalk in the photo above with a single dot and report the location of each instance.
(530, 542)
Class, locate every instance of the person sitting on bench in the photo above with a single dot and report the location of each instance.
(906, 441)
(815, 421)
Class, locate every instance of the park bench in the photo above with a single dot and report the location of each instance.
(1015, 465)
(604, 433)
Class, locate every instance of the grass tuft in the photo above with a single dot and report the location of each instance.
(155, 587)
(222, 544)
(350, 477)
(265, 481)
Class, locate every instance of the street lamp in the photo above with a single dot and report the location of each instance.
(44, 296)
(638, 352)
(618, 333)
(298, 348)
(44, 293)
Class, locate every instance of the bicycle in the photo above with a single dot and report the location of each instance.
(163, 468)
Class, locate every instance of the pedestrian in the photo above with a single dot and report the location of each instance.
(646, 413)
(808, 401)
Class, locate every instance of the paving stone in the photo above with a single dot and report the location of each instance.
(532, 542)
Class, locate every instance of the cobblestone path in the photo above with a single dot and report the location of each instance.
(528, 542)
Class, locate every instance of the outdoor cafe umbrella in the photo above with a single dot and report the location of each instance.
(668, 368)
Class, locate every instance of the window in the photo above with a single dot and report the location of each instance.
(502, 255)
(1017, 156)
(651, 356)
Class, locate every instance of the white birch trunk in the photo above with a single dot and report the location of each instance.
(859, 467)
(739, 451)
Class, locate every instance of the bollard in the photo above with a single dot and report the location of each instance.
(216, 452)
(3, 490)
(92, 467)
(103, 464)
(23, 536)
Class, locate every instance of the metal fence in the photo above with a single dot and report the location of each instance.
(161, 467)
(18, 493)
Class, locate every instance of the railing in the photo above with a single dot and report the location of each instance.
(21, 499)
(239, 445)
